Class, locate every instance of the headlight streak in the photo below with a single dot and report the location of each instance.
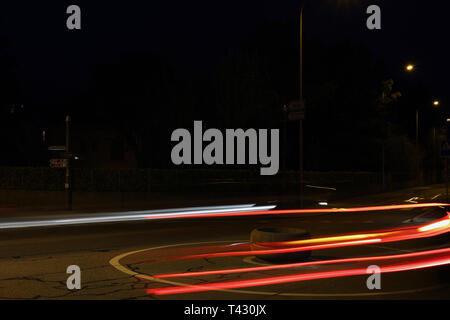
(442, 257)
(205, 212)
(436, 225)
(130, 216)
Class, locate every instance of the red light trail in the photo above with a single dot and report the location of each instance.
(436, 228)
(417, 260)
(441, 257)
(298, 265)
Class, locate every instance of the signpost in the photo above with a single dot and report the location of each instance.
(68, 184)
(57, 148)
(66, 155)
(58, 163)
(64, 162)
(296, 116)
(296, 111)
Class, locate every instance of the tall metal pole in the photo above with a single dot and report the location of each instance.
(285, 120)
(301, 101)
(383, 176)
(301, 54)
(68, 184)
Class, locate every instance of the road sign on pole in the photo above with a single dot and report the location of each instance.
(295, 116)
(66, 155)
(68, 184)
(58, 163)
(57, 148)
(296, 111)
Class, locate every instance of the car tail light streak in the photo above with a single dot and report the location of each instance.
(423, 260)
(436, 228)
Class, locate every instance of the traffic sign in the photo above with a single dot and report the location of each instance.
(57, 148)
(294, 116)
(58, 163)
(296, 110)
(66, 155)
(297, 106)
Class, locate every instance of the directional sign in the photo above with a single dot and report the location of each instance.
(57, 148)
(445, 149)
(58, 163)
(66, 155)
(296, 111)
(295, 116)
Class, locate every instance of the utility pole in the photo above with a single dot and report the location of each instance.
(285, 120)
(68, 184)
(302, 103)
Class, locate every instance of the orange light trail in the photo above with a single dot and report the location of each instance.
(294, 211)
(436, 228)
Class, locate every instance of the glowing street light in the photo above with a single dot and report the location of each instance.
(436, 103)
(410, 67)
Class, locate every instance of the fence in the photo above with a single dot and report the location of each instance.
(156, 180)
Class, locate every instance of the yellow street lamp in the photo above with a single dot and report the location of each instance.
(410, 67)
(436, 103)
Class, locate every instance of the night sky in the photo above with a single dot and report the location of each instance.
(53, 64)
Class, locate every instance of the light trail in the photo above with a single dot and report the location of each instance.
(436, 228)
(128, 216)
(332, 210)
(299, 264)
(202, 212)
(441, 257)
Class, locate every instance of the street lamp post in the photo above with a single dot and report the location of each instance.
(301, 102)
(410, 68)
(436, 103)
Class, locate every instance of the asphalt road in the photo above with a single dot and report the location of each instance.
(33, 261)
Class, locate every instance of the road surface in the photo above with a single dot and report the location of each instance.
(33, 261)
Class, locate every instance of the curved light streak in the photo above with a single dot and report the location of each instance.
(441, 257)
(300, 264)
(436, 228)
